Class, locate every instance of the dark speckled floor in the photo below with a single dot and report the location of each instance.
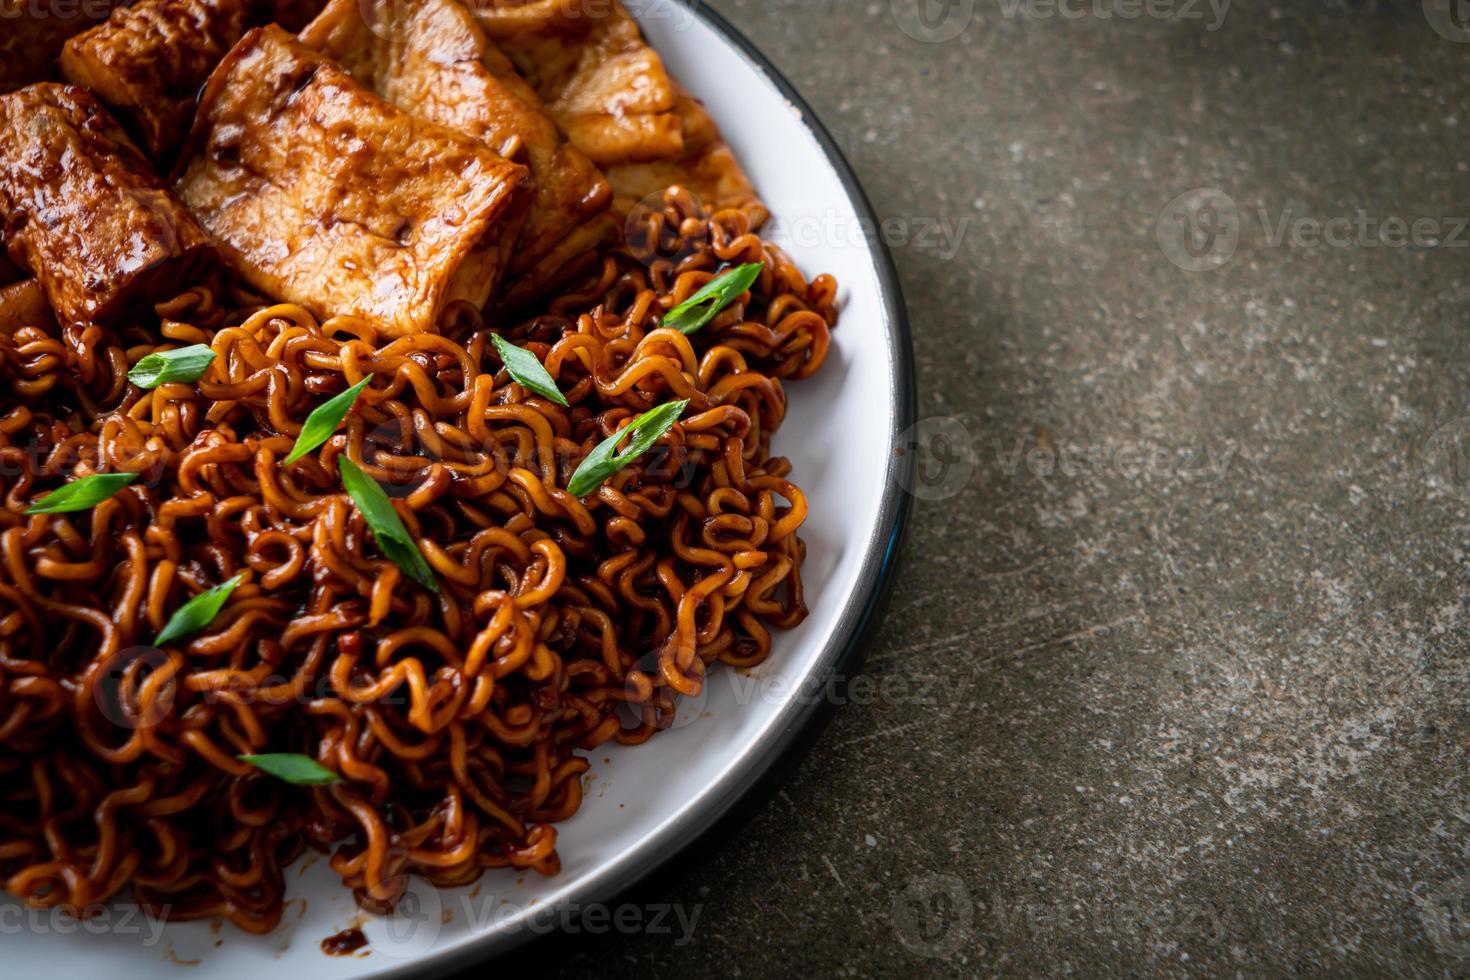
(1175, 677)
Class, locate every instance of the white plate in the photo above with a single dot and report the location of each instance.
(647, 802)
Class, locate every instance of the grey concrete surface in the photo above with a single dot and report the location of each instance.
(1175, 677)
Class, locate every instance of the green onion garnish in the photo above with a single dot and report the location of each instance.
(383, 521)
(161, 367)
(292, 767)
(198, 612)
(711, 298)
(83, 494)
(528, 371)
(605, 460)
(324, 419)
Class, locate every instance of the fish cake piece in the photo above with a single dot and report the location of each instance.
(83, 211)
(323, 194)
(23, 304)
(148, 61)
(707, 167)
(609, 90)
(430, 58)
(31, 36)
(601, 82)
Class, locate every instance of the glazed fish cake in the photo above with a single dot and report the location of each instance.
(83, 211)
(323, 194)
(23, 304)
(707, 167)
(148, 61)
(600, 80)
(431, 59)
(609, 90)
(31, 36)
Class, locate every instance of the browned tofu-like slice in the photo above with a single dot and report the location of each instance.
(707, 167)
(323, 194)
(148, 61)
(83, 211)
(431, 59)
(601, 82)
(32, 33)
(609, 90)
(23, 304)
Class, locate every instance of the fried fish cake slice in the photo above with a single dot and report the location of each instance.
(23, 304)
(31, 36)
(707, 167)
(321, 193)
(430, 58)
(611, 93)
(148, 61)
(601, 82)
(83, 211)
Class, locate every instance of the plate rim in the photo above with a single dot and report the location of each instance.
(843, 649)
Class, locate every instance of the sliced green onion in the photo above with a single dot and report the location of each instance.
(712, 297)
(323, 421)
(605, 460)
(388, 530)
(198, 612)
(527, 370)
(292, 767)
(161, 367)
(83, 494)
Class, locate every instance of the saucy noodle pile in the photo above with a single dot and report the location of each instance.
(457, 721)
